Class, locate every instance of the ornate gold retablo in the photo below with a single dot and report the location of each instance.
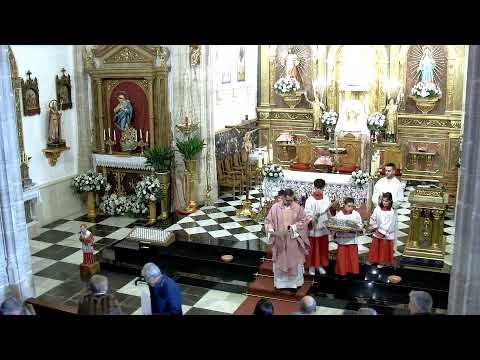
(427, 211)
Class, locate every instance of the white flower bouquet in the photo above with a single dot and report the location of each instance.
(376, 121)
(329, 119)
(272, 171)
(148, 189)
(90, 181)
(359, 177)
(114, 204)
(426, 89)
(286, 85)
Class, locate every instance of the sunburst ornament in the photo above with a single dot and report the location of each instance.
(294, 61)
(426, 60)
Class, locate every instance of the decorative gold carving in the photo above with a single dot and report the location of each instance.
(111, 84)
(306, 116)
(426, 226)
(426, 122)
(450, 86)
(126, 55)
(31, 101)
(53, 154)
(438, 221)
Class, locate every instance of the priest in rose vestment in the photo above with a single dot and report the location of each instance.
(286, 227)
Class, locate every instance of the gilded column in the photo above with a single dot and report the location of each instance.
(437, 227)
(427, 227)
(264, 76)
(450, 101)
(415, 226)
(98, 86)
(150, 110)
(271, 68)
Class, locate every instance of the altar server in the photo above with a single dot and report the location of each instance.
(382, 222)
(286, 225)
(317, 209)
(347, 251)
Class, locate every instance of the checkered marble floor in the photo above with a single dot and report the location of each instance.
(56, 253)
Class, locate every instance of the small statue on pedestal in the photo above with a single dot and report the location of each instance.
(55, 125)
(391, 114)
(89, 265)
(317, 106)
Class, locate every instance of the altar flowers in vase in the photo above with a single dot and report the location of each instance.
(375, 122)
(119, 205)
(286, 86)
(426, 89)
(359, 178)
(329, 120)
(272, 171)
(90, 182)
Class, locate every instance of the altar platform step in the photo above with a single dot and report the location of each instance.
(280, 307)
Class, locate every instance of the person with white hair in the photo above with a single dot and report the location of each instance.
(308, 306)
(366, 311)
(12, 306)
(420, 303)
(165, 297)
(98, 300)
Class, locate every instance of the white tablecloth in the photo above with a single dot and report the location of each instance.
(301, 182)
(120, 162)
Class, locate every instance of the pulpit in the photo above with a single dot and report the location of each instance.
(425, 240)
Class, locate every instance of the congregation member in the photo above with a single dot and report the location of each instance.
(420, 303)
(280, 196)
(308, 306)
(382, 222)
(286, 229)
(98, 301)
(264, 307)
(165, 297)
(347, 251)
(13, 306)
(317, 209)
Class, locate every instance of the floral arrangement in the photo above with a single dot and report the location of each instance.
(376, 121)
(286, 85)
(329, 119)
(272, 171)
(90, 181)
(426, 89)
(359, 177)
(114, 204)
(148, 189)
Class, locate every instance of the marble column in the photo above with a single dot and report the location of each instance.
(15, 258)
(464, 295)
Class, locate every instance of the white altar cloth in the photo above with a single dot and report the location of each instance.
(121, 162)
(301, 182)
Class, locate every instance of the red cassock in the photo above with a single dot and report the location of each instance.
(318, 255)
(381, 251)
(347, 260)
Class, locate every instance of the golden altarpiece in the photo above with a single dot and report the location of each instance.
(137, 76)
(426, 143)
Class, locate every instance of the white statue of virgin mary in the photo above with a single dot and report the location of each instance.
(426, 65)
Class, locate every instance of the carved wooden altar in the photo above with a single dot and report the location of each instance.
(140, 65)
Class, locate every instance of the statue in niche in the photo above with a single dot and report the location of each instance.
(426, 65)
(291, 63)
(391, 114)
(123, 112)
(317, 106)
(55, 125)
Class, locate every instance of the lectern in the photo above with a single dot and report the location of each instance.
(427, 211)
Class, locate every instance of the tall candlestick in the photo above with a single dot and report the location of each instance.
(109, 135)
(114, 136)
(146, 137)
(141, 137)
(104, 135)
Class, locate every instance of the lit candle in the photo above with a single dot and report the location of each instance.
(109, 135)
(104, 135)
(114, 136)
(141, 137)
(146, 137)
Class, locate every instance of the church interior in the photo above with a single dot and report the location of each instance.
(114, 156)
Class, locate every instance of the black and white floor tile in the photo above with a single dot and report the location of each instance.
(56, 254)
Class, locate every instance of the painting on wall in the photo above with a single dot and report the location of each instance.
(241, 65)
(31, 102)
(64, 90)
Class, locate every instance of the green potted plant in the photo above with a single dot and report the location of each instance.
(160, 158)
(190, 148)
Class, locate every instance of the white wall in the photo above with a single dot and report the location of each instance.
(238, 98)
(45, 62)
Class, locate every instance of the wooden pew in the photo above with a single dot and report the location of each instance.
(44, 308)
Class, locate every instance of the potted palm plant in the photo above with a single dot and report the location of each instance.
(190, 148)
(160, 159)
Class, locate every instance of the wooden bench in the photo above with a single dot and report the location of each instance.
(44, 308)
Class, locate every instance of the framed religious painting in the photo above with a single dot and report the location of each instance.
(241, 65)
(64, 91)
(30, 96)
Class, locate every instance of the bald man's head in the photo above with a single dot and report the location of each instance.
(308, 305)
